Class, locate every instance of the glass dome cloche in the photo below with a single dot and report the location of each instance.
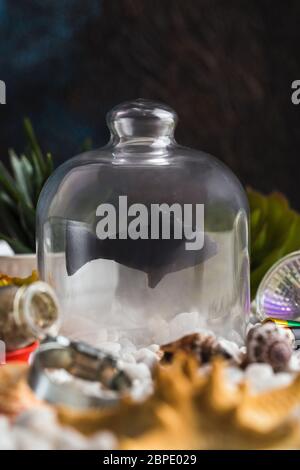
(144, 239)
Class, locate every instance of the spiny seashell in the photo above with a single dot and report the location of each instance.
(202, 346)
(279, 292)
(270, 343)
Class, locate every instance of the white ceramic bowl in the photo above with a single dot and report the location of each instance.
(18, 265)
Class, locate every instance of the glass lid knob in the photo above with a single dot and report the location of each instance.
(142, 119)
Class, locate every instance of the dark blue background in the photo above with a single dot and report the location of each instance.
(39, 58)
(226, 67)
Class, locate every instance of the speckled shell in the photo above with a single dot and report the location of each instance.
(271, 344)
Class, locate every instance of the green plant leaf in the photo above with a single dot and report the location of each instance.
(20, 190)
(17, 246)
(7, 183)
(28, 175)
(49, 164)
(37, 177)
(259, 243)
(27, 219)
(4, 197)
(87, 145)
(34, 145)
(20, 177)
(10, 223)
(275, 232)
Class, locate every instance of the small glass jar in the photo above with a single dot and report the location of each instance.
(140, 282)
(27, 313)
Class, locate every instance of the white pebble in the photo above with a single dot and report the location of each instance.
(234, 375)
(154, 348)
(294, 364)
(160, 330)
(25, 439)
(110, 348)
(205, 332)
(127, 357)
(236, 338)
(68, 438)
(6, 435)
(281, 379)
(39, 430)
(259, 376)
(113, 335)
(127, 346)
(142, 390)
(137, 371)
(231, 349)
(102, 335)
(36, 418)
(102, 441)
(184, 324)
(147, 357)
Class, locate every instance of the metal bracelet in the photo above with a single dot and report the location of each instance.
(82, 361)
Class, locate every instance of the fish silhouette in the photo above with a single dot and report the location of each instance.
(156, 258)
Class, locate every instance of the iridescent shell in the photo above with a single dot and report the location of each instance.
(271, 344)
(279, 292)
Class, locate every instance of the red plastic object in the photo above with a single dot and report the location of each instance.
(22, 355)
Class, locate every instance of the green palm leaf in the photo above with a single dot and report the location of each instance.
(19, 193)
(22, 182)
